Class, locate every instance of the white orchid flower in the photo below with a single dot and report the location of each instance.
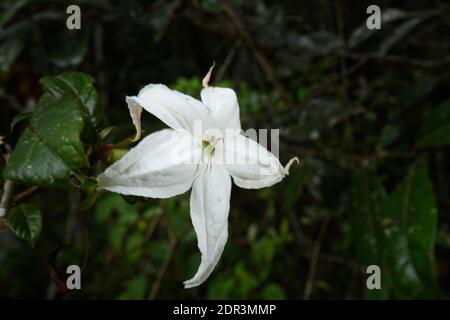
(171, 161)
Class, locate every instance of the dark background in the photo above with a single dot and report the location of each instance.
(367, 112)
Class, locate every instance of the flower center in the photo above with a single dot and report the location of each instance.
(209, 148)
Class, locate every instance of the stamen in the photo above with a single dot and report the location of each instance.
(209, 148)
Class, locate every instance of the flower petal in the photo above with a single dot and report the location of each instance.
(224, 107)
(135, 113)
(162, 165)
(251, 165)
(177, 110)
(210, 205)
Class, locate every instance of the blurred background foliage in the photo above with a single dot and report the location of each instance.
(367, 112)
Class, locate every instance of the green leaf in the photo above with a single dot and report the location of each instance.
(9, 9)
(25, 221)
(50, 148)
(273, 292)
(409, 228)
(71, 52)
(211, 6)
(10, 50)
(436, 128)
(80, 87)
(396, 232)
(135, 289)
(365, 200)
(247, 282)
(18, 118)
(366, 197)
(108, 203)
(221, 287)
(294, 185)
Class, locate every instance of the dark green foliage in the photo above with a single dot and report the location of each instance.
(26, 222)
(436, 128)
(367, 113)
(398, 231)
(50, 148)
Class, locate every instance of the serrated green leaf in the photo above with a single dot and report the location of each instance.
(436, 128)
(25, 221)
(50, 148)
(81, 87)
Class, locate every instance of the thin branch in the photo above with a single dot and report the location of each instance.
(24, 195)
(260, 58)
(224, 66)
(151, 229)
(8, 188)
(340, 31)
(57, 286)
(353, 158)
(315, 259)
(85, 242)
(162, 270)
(393, 59)
(59, 277)
(128, 233)
(355, 267)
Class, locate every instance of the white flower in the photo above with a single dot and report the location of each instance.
(153, 169)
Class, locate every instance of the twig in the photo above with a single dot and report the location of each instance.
(57, 286)
(26, 194)
(394, 59)
(13, 103)
(299, 234)
(84, 231)
(151, 229)
(224, 66)
(127, 234)
(309, 287)
(99, 66)
(340, 27)
(8, 188)
(59, 277)
(351, 158)
(261, 59)
(162, 270)
(355, 267)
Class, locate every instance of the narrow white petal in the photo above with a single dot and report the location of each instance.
(251, 165)
(177, 110)
(224, 107)
(210, 205)
(162, 165)
(135, 113)
(207, 77)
